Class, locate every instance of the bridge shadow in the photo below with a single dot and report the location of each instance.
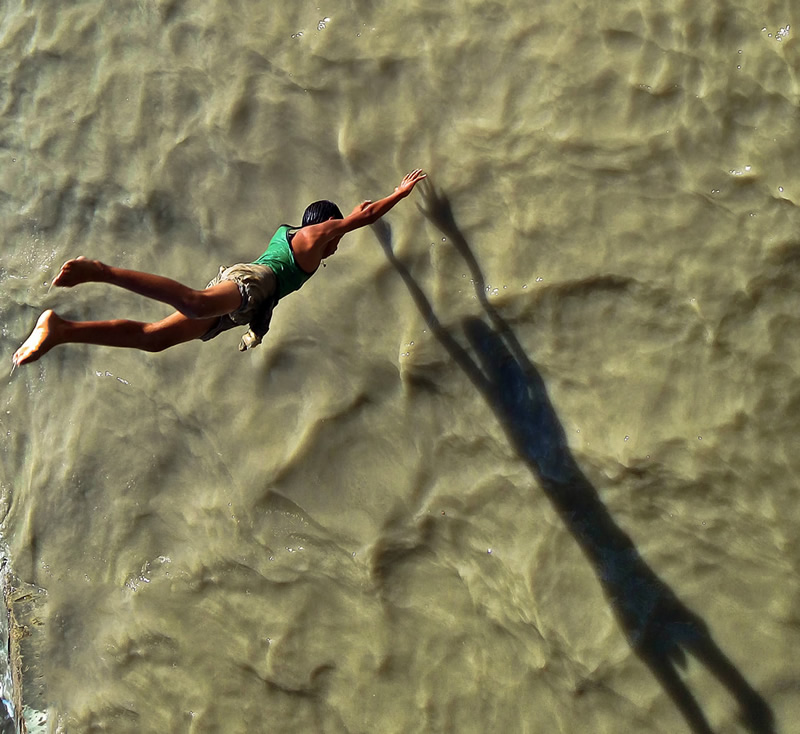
(658, 626)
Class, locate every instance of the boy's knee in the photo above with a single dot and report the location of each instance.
(155, 339)
(155, 343)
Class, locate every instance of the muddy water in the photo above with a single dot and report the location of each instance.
(502, 466)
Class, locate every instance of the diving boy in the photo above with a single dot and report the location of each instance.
(241, 294)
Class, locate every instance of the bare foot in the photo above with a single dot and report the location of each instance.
(42, 339)
(77, 271)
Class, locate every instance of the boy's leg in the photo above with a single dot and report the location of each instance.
(51, 330)
(215, 301)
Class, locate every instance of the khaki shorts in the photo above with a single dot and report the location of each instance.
(259, 289)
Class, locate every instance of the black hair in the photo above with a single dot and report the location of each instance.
(321, 211)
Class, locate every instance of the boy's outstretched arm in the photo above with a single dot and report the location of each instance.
(312, 244)
(370, 211)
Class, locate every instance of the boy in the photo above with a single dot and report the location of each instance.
(241, 294)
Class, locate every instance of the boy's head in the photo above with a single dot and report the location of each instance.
(321, 211)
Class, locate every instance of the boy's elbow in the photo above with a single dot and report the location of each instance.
(364, 218)
(373, 214)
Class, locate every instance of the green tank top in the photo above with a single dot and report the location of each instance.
(280, 259)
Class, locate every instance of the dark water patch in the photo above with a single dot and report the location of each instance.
(622, 40)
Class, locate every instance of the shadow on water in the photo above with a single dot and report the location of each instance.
(657, 625)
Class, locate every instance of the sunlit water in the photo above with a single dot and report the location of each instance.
(446, 494)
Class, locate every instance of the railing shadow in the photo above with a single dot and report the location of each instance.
(657, 625)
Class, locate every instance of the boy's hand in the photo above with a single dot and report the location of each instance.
(410, 180)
